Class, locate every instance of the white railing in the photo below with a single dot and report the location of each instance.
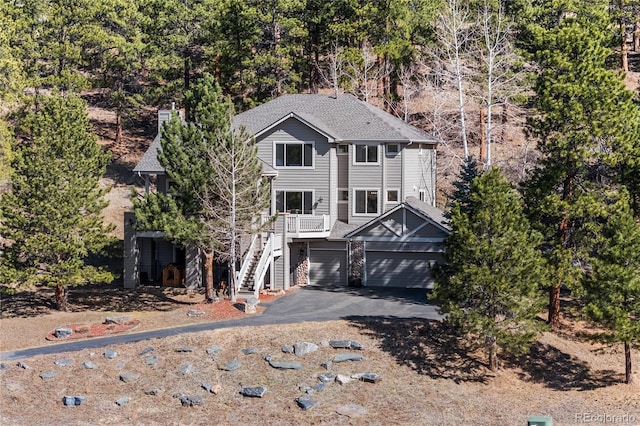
(246, 263)
(263, 264)
(307, 223)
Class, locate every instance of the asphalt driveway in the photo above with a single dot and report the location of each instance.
(305, 304)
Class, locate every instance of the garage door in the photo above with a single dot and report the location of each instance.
(400, 269)
(327, 267)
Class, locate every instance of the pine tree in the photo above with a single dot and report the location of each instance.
(462, 193)
(197, 210)
(613, 287)
(52, 215)
(488, 283)
(585, 120)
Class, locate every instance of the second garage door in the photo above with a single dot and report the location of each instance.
(400, 269)
(327, 267)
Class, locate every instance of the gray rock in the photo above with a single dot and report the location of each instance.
(191, 400)
(184, 349)
(327, 378)
(253, 301)
(231, 365)
(214, 350)
(306, 403)
(129, 377)
(348, 357)
(303, 348)
(285, 365)
(368, 377)
(116, 320)
(120, 365)
(319, 387)
(23, 365)
(249, 351)
(254, 392)
(73, 400)
(151, 360)
(146, 351)
(123, 400)
(154, 391)
(342, 379)
(186, 369)
(3, 366)
(287, 349)
(327, 365)
(48, 375)
(63, 362)
(89, 365)
(195, 313)
(345, 344)
(62, 332)
(211, 388)
(110, 354)
(305, 388)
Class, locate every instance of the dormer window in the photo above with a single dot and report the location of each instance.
(293, 154)
(366, 154)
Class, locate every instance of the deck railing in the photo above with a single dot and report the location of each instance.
(300, 223)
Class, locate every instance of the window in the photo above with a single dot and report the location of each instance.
(422, 195)
(366, 154)
(392, 196)
(343, 195)
(366, 201)
(343, 149)
(296, 202)
(294, 154)
(393, 149)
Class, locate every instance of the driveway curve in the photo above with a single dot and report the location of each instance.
(305, 304)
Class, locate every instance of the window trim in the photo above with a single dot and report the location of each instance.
(365, 163)
(313, 197)
(338, 195)
(313, 154)
(342, 145)
(388, 201)
(377, 191)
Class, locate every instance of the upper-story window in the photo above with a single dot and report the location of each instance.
(366, 154)
(343, 149)
(393, 149)
(366, 202)
(295, 202)
(293, 154)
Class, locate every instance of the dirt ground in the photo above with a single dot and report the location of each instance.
(427, 376)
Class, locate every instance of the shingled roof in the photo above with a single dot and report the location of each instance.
(343, 119)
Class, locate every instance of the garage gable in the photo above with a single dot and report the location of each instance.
(402, 223)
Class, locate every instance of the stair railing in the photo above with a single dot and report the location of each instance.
(263, 263)
(246, 263)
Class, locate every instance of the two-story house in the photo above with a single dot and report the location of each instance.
(354, 188)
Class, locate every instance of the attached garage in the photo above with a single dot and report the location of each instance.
(328, 264)
(400, 247)
(399, 269)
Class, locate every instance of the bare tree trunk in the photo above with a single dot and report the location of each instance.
(624, 51)
(628, 376)
(380, 77)
(636, 37)
(553, 318)
(118, 129)
(483, 135)
(207, 257)
(493, 353)
(61, 298)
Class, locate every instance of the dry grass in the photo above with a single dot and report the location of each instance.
(426, 381)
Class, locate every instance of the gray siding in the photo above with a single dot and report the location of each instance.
(365, 176)
(419, 172)
(316, 179)
(393, 176)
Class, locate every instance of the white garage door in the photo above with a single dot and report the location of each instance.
(400, 269)
(327, 267)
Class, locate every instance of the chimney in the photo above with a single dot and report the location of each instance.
(164, 115)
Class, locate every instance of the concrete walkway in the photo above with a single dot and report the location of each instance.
(305, 304)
